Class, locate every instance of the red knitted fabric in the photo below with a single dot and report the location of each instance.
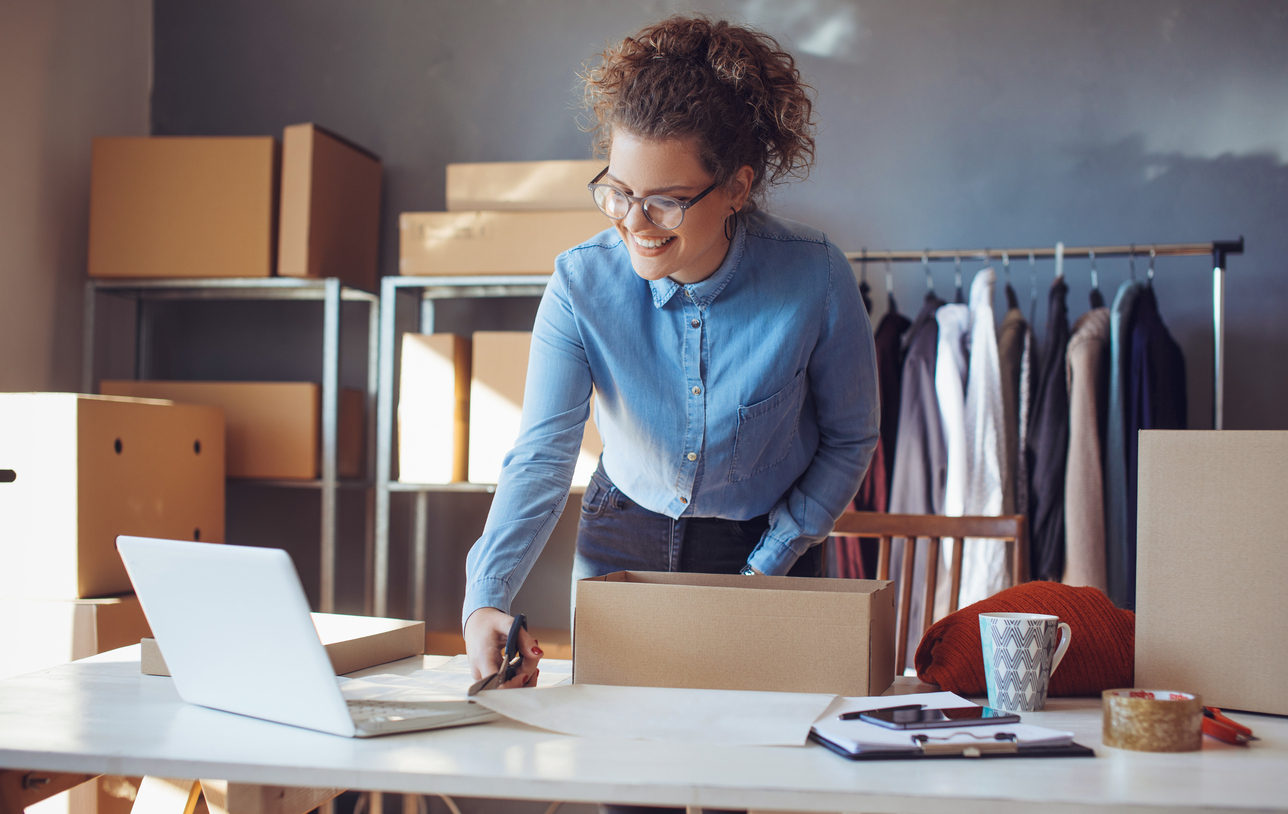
(1101, 653)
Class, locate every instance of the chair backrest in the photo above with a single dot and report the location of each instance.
(885, 527)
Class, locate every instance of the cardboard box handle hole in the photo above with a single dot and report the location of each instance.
(117, 446)
(8, 476)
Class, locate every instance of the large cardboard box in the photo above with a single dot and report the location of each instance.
(273, 428)
(469, 243)
(1212, 566)
(42, 633)
(330, 216)
(84, 469)
(500, 373)
(731, 632)
(183, 207)
(434, 408)
(352, 642)
(521, 185)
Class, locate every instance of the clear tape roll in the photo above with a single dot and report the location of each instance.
(1152, 720)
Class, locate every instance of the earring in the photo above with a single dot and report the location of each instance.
(731, 224)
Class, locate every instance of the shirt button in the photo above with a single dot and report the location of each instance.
(686, 292)
(696, 323)
(693, 456)
(684, 500)
(697, 391)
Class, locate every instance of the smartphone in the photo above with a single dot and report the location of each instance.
(915, 716)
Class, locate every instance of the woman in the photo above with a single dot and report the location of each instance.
(730, 351)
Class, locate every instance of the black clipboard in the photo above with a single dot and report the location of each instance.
(968, 752)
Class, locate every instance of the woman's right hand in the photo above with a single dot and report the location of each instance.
(485, 634)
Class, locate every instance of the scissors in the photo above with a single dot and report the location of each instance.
(1222, 728)
(513, 659)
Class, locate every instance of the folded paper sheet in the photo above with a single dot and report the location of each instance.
(664, 713)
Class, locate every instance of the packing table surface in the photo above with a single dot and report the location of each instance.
(100, 715)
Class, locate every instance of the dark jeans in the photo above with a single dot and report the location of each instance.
(614, 534)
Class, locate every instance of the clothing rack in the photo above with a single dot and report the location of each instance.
(1217, 249)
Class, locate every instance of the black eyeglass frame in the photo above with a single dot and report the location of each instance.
(643, 202)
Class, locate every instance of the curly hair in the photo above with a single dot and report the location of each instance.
(731, 89)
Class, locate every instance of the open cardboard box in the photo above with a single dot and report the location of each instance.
(732, 632)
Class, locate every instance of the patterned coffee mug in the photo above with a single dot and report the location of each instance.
(1020, 654)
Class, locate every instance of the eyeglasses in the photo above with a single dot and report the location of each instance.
(662, 211)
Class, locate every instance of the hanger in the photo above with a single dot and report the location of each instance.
(1033, 289)
(1011, 300)
(891, 307)
(957, 275)
(865, 290)
(1097, 299)
(930, 278)
(1131, 262)
(1149, 275)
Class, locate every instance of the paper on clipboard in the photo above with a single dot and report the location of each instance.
(857, 736)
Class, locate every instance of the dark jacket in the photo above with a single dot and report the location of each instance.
(1048, 444)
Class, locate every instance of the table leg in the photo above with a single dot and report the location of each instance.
(19, 788)
(243, 798)
(165, 795)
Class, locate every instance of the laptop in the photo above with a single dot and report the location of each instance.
(233, 625)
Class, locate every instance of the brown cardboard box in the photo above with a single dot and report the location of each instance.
(730, 632)
(352, 642)
(330, 216)
(42, 633)
(87, 468)
(521, 185)
(500, 372)
(1211, 584)
(273, 428)
(434, 408)
(452, 243)
(183, 207)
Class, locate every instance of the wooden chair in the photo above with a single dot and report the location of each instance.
(885, 527)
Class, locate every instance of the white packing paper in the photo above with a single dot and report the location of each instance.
(449, 681)
(664, 713)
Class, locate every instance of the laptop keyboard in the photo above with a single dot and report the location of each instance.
(382, 711)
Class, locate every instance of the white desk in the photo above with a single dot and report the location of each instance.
(101, 716)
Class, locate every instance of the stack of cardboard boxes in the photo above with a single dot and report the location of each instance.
(243, 207)
(503, 218)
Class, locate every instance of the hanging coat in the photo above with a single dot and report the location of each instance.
(920, 455)
(1156, 401)
(1049, 444)
(1121, 319)
(1028, 381)
(1010, 355)
(984, 562)
(855, 559)
(950, 387)
(1087, 377)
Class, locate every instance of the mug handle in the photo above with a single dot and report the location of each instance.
(1066, 635)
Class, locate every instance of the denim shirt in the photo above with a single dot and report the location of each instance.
(752, 392)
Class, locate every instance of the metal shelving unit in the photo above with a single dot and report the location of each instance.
(330, 292)
(423, 292)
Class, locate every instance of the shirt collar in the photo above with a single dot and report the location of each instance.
(705, 292)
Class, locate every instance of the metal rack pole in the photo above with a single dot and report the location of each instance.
(384, 440)
(373, 389)
(330, 424)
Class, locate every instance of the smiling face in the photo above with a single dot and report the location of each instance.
(691, 253)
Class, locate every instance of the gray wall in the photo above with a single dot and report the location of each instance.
(69, 70)
(942, 124)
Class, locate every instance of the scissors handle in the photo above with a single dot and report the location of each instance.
(512, 659)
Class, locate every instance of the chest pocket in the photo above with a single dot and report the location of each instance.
(766, 430)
